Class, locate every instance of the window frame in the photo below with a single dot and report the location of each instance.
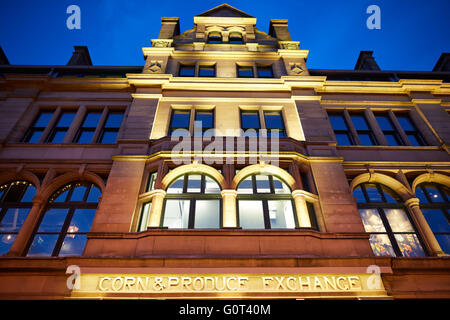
(32, 128)
(347, 132)
(368, 131)
(104, 129)
(56, 128)
(414, 132)
(391, 132)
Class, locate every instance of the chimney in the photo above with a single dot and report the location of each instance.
(170, 27)
(366, 61)
(279, 29)
(443, 64)
(3, 58)
(80, 57)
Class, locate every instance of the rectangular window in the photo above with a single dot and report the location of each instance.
(41, 122)
(363, 130)
(414, 136)
(186, 71)
(274, 122)
(207, 71)
(250, 120)
(214, 37)
(264, 72)
(61, 127)
(205, 121)
(235, 38)
(110, 129)
(245, 71)
(389, 131)
(86, 131)
(340, 128)
(251, 214)
(180, 120)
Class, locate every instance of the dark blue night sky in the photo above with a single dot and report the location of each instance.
(413, 33)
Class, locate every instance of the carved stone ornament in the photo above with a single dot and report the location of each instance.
(289, 45)
(154, 67)
(161, 43)
(296, 68)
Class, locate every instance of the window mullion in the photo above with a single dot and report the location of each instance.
(63, 232)
(390, 233)
(191, 221)
(266, 214)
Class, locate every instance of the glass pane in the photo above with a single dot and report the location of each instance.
(372, 192)
(251, 215)
(436, 220)
(43, 245)
(66, 119)
(250, 120)
(414, 141)
(6, 241)
(81, 220)
(281, 214)
(359, 122)
(338, 122)
(343, 139)
(194, 183)
(384, 123)
(207, 214)
(280, 186)
(29, 194)
(35, 136)
(262, 184)
(372, 220)
(13, 219)
(187, 71)
(381, 245)
(176, 214)
(180, 119)
(73, 245)
(44, 119)
(265, 72)
(94, 194)
(246, 186)
(206, 118)
(245, 72)
(92, 119)
(114, 120)
(85, 137)
(109, 137)
(409, 245)
(390, 195)
(177, 186)
(398, 220)
(53, 220)
(145, 213)
(358, 194)
(15, 192)
(434, 193)
(444, 242)
(391, 139)
(405, 123)
(207, 71)
(58, 137)
(62, 196)
(421, 195)
(211, 186)
(366, 139)
(274, 120)
(78, 193)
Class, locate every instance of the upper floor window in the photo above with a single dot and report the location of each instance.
(15, 204)
(214, 37)
(235, 38)
(435, 206)
(193, 201)
(62, 228)
(264, 71)
(414, 136)
(34, 133)
(207, 71)
(390, 132)
(110, 129)
(392, 232)
(245, 71)
(205, 120)
(186, 70)
(363, 130)
(59, 130)
(180, 119)
(341, 130)
(86, 131)
(265, 202)
(274, 123)
(250, 120)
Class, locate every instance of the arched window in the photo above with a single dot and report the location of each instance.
(435, 206)
(392, 232)
(68, 216)
(214, 37)
(193, 201)
(15, 204)
(265, 202)
(235, 38)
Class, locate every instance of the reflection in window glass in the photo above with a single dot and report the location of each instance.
(409, 245)
(381, 245)
(372, 192)
(176, 214)
(211, 186)
(144, 216)
(372, 220)
(398, 221)
(251, 215)
(246, 186)
(280, 186)
(281, 214)
(262, 184)
(73, 245)
(207, 214)
(176, 186)
(436, 220)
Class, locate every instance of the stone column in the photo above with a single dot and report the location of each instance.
(424, 230)
(229, 219)
(154, 220)
(26, 231)
(301, 209)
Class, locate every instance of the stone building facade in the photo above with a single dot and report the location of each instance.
(290, 183)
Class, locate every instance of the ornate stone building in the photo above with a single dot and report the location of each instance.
(291, 183)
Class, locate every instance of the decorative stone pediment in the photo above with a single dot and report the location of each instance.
(161, 43)
(289, 45)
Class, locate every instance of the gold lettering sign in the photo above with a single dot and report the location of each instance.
(172, 285)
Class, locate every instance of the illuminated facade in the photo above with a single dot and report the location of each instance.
(352, 200)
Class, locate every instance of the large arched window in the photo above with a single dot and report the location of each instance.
(68, 216)
(193, 201)
(214, 37)
(265, 202)
(235, 38)
(392, 232)
(15, 204)
(435, 206)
